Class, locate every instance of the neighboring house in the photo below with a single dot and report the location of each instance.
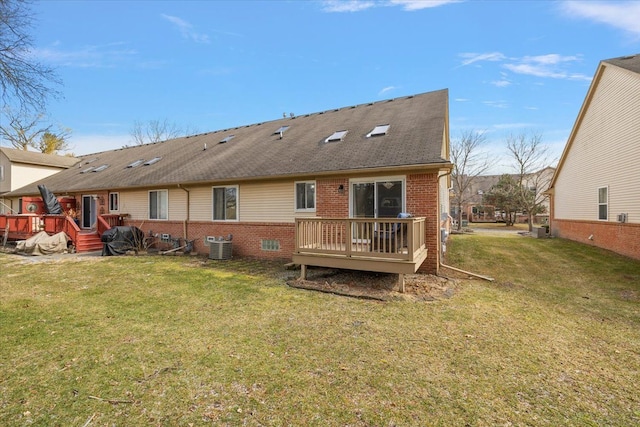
(20, 167)
(265, 182)
(596, 188)
(474, 209)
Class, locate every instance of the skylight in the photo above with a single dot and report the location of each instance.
(100, 168)
(378, 130)
(136, 163)
(337, 136)
(87, 170)
(152, 161)
(281, 130)
(227, 139)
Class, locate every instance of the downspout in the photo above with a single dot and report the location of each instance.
(186, 220)
(441, 255)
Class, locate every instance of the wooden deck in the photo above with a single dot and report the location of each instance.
(387, 245)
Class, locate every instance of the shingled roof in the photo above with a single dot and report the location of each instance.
(40, 159)
(630, 62)
(417, 128)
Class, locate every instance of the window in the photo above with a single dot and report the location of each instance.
(158, 204)
(1, 173)
(378, 130)
(603, 203)
(100, 168)
(281, 130)
(135, 164)
(306, 196)
(225, 203)
(114, 202)
(337, 136)
(152, 161)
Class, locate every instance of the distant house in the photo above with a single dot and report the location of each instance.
(596, 188)
(20, 167)
(323, 188)
(475, 208)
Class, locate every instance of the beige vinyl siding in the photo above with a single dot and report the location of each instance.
(258, 202)
(605, 152)
(269, 202)
(23, 174)
(201, 199)
(136, 204)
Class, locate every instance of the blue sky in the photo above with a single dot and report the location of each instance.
(510, 66)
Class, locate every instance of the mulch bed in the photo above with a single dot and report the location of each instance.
(377, 286)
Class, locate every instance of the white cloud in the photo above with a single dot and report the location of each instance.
(410, 5)
(470, 58)
(346, 5)
(548, 66)
(360, 5)
(622, 15)
(496, 104)
(461, 100)
(387, 89)
(93, 56)
(186, 29)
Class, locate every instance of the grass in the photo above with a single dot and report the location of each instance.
(184, 341)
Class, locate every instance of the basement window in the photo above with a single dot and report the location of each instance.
(227, 139)
(337, 136)
(152, 161)
(378, 131)
(270, 245)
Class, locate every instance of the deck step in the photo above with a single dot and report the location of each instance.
(88, 242)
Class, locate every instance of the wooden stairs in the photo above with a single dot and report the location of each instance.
(88, 241)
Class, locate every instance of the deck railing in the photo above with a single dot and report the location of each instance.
(388, 238)
(25, 226)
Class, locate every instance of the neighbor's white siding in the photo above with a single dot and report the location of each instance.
(605, 152)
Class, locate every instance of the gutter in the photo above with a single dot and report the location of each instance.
(186, 220)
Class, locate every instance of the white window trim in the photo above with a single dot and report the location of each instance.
(213, 211)
(149, 201)
(118, 196)
(606, 203)
(295, 196)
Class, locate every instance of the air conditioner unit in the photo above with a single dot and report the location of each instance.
(622, 217)
(220, 249)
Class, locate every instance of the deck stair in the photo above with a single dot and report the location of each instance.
(88, 241)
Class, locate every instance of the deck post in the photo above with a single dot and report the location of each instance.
(303, 272)
(401, 282)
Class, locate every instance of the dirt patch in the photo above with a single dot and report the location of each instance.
(378, 286)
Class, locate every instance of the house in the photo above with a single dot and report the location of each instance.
(595, 190)
(20, 167)
(475, 209)
(318, 188)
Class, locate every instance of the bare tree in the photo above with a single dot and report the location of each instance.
(23, 130)
(24, 80)
(469, 162)
(154, 131)
(531, 162)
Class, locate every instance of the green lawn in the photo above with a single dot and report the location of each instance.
(555, 340)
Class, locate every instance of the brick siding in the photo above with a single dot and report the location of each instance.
(332, 201)
(622, 238)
